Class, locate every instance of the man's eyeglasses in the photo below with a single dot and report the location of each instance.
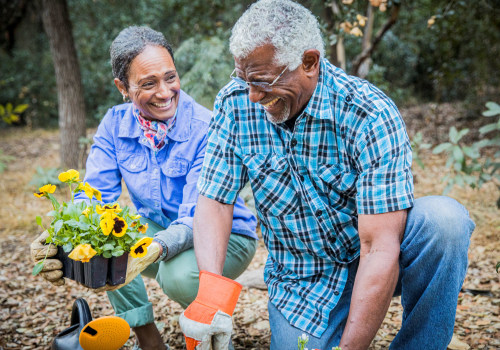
(258, 84)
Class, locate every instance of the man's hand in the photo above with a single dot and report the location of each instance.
(52, 268)
(207, 322)
(135, 266)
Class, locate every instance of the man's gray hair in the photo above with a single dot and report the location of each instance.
(288, 26)
(129, 43)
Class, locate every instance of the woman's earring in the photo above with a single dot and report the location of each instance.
(125, 98)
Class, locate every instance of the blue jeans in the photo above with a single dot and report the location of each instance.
(432, 267)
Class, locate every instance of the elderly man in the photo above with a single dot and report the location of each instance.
(328, 159)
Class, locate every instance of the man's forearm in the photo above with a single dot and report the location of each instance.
(373, 289)
(211, 230)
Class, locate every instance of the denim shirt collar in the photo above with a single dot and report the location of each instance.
(180, 132)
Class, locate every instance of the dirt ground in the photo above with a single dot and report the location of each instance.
(32, 311)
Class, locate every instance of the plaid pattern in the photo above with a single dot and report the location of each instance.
(349, 154)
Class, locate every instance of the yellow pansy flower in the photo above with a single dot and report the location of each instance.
(70, 175)
(140, 248)
(143, 228)
(82, 252)
(107, 222)
(86, 212)
(89, 191)
(115, 208)
(42, 191)
(119, 227)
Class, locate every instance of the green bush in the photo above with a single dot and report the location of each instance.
(466, 164)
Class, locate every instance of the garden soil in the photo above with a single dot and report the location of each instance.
(33, 311)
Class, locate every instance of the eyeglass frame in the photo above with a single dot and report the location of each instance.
(258, 84)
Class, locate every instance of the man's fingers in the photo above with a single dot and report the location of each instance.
(52, 276)
(52, 264)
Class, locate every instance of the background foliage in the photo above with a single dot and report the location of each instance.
(456, 59)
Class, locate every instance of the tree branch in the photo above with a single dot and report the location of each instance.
(367, 52)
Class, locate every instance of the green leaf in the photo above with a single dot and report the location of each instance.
(68, 247)
(58, 225)
(488, 128)
(107, 254)
(453, 134)
(118, 252)
(39, 220)
(20, 108)
(38, 268)
(458, 154)
(441, 147)
(2, 110)
(108, 246)
(493, 109)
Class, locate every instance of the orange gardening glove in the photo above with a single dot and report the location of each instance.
(207, 322)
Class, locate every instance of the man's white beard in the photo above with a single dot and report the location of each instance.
(283, 117)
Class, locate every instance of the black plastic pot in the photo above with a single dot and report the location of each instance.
(117, 269)
(95, 273)
(67, 263)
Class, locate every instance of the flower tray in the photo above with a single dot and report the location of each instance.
(96, 273)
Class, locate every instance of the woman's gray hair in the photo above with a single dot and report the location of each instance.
(288, 26)
(129, 43)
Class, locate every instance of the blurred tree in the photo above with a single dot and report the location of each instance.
(69, 87)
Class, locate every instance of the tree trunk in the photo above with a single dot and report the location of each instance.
(57, 25)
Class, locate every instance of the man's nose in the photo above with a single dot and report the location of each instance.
(255, 94)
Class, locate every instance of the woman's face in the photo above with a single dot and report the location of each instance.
(154, 85)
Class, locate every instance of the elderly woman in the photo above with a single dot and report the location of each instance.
(156, 144)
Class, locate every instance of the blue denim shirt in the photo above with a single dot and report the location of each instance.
(161, 184)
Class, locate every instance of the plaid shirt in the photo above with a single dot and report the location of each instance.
(348, 154)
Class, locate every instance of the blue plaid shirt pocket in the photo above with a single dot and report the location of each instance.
(270, 177)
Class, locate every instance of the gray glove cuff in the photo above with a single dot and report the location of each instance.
(174, 240)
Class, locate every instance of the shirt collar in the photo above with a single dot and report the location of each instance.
(181, 131)
(319, 105)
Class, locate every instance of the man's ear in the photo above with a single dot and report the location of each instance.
(121, 87)
(310, 61)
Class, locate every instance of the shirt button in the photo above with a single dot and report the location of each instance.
(318, 212)
(293, 142)
(155, 171)
(261, 176)
(336, 292)
(348, 98)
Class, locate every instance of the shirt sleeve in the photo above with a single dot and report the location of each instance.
(101, 170)
(385, 181)
(223, 175)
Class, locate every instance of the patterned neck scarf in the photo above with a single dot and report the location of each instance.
(155, 131)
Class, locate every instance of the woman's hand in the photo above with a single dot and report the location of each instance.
(52, 268)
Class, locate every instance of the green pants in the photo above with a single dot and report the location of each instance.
(178, 277)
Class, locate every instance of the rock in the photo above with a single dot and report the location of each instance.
(457, 344)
